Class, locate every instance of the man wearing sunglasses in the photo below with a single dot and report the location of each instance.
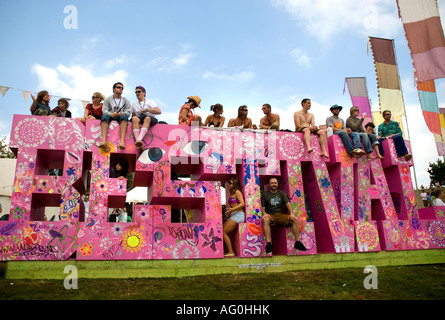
(389, 129)
(242, 121)
(144, 111)
(115, 108)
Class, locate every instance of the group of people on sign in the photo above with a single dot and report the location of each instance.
(143, 113)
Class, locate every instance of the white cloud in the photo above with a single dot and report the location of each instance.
(168, 63)
(301, 57)
(242, 76)
(75, 82)
(122, 59)
(327, 18)
(182, 59)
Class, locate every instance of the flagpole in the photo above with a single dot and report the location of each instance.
(406, 119)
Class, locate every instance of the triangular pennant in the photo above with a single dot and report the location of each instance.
(3, 90)
(26, 94)
(84, 103)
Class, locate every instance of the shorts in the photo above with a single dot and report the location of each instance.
(302, 128)
(152, 122)
(108, 118)
(280, 220)
(238, 217)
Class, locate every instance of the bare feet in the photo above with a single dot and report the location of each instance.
(104, 147)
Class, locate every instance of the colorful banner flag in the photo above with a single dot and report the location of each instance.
(440, 138)
(388, 81)
(26, 94)
(3, 90)
(359, 94)
(426, 41)
(430, 105)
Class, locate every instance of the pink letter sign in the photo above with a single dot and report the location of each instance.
(343, 204)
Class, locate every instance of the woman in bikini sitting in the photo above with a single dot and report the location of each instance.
(235, 213)
(216, 119)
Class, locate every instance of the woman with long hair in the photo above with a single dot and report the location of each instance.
(40, 105)
(234, 212)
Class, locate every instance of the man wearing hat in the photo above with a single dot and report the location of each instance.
(144, 111)
(337, 124)
(186, 116)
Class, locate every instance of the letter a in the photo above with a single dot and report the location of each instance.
(70, 21)
(371, 281)
(72, 276)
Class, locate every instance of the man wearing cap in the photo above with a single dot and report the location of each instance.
(389, 129)
(115, 108)
(337, 124)
(144, 111)
(186, 116)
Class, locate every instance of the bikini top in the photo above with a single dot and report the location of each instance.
(233, 200)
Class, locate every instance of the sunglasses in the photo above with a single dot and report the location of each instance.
(119, 87)
(245, 110)
(139, 91)
(93, 97)
(387, 114)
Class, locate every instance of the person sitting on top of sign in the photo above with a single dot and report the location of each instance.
(389, 129)
(337, 124)
(241, 121)
(115, 108)
(186, 115)
(369, 140)
(144, 111)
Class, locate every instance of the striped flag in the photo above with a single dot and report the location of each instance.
(388, 82)
(426, 41)
(359, 94)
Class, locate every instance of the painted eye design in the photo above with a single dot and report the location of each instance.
(151, 155)
(195, 147)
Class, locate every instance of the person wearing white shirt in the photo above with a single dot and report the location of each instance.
(145, 112)
(438, 198)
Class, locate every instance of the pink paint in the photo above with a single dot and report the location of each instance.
(354, 205)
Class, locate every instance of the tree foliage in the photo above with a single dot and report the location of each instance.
(437, 172)
(5, 152)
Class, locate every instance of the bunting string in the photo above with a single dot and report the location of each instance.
(27, 94)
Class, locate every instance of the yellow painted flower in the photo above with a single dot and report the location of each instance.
(86, 249)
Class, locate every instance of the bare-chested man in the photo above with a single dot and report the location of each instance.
(305, 123)
(242, 121)
(270, 120)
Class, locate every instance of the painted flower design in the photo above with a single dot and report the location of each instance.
(86, 249)
(102, 185)
(43, 184)
(325, 182)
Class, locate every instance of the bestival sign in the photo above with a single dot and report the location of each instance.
(355, 205)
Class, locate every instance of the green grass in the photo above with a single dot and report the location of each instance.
(425, 282)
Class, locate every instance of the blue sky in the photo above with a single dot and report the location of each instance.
(231, 52)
